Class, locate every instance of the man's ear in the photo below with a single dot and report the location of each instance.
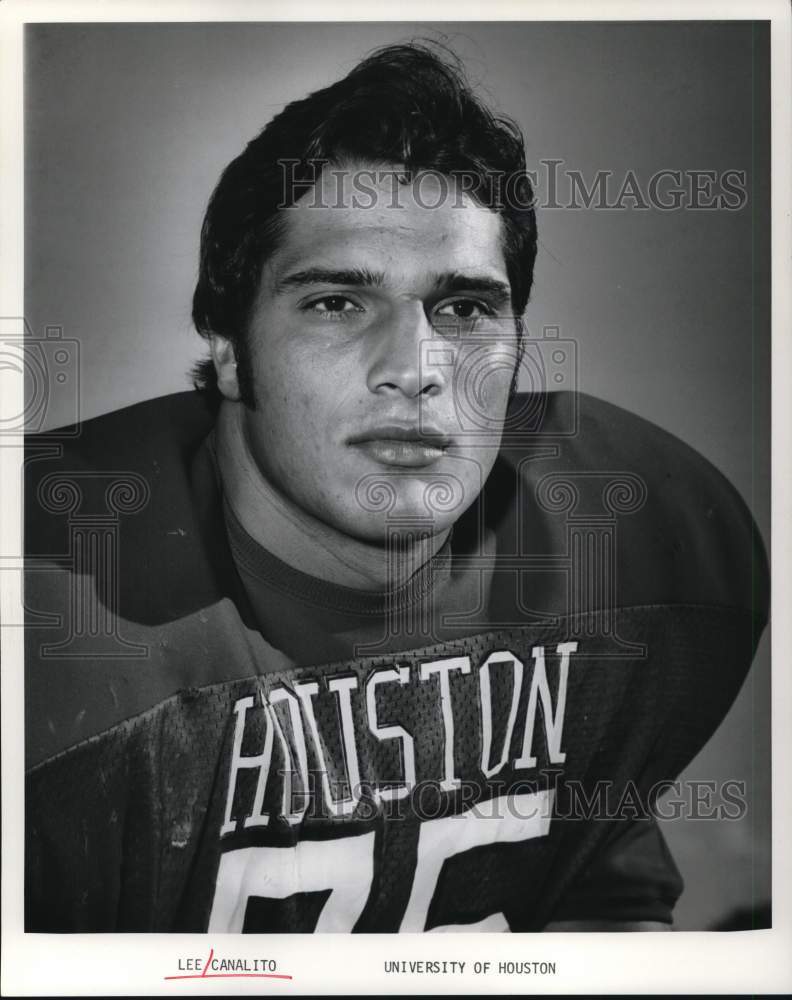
(224, 357)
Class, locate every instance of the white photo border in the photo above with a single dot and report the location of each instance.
(738, 962)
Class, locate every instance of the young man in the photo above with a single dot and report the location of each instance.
(357, 638)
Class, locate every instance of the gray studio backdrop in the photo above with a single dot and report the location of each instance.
(129, 126)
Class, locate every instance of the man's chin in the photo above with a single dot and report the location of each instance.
(388, 502)
(397, 496)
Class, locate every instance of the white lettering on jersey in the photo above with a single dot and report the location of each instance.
(494, 659)
(401, 789)
(342, 687)
(261, 761)
(336, 807)
(291, 813)
(296, 719)
(554, 721)
(502, 820)
(443, 668)
(345, 866)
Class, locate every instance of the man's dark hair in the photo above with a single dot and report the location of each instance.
(405, 104)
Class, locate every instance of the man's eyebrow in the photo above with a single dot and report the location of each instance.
(457, 281)
(446, 283)
(356, 276)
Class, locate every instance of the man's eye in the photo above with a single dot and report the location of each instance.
(463, 309)
(332, 306)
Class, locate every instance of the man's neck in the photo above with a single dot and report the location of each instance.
(293, 535)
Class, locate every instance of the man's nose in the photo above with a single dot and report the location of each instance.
(407, 357)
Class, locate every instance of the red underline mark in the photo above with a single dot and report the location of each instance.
(233, 975)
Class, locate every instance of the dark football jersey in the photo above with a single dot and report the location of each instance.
(480, 751)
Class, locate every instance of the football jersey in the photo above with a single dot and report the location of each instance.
(217, 742)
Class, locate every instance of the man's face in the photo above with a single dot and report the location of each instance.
(381, 350)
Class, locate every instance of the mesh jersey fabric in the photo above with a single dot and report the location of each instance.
(187, 774)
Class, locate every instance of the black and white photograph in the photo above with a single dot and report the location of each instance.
(393, 467)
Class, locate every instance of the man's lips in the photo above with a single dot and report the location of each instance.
(403, 446)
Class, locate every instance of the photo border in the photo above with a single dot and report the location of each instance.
(755, 961)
